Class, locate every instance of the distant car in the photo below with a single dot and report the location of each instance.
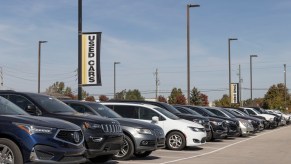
(25, 138)
(246, 128)
(218, 128)
(257, 123)
(103, 136)
(271, 122)
(179, 132)
(141, 138)
(232, 125)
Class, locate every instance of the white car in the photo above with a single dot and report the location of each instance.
(179, 132)
(268, 117)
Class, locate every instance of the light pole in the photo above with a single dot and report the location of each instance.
(114, 94)
(251, 56)
(39, 53)
(285, 87)
(229, 69)
(188, 51)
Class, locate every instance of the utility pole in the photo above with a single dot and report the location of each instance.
(1, 78)
(240, 81)
(285, 87)
(79, 49)
(157, 83)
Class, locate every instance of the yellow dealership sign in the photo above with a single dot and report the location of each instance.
(234, 93)
(91, 74)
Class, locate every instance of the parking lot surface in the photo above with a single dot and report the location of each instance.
(267, 147)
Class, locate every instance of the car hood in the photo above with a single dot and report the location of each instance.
(40, 121)
(190, 117)
(186, 123)
(136, 123)
(84, 117)
(267, 116)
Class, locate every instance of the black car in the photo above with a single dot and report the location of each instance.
(25, 138)
(263, 111)
(173, 110)
(141, 138)
(232, 124)
(103, 137)
(267, 123)
(217, 130)
(257, 123)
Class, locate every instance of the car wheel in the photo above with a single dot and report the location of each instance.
(142, 154)
(126, 151)
(175, 141)
(101, 159)
(10, 152)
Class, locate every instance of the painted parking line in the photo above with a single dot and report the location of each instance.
(222, 148)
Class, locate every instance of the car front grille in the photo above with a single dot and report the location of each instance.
(111, 128)
(70, 136)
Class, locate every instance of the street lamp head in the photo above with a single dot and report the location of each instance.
(116, 62)
(253, 56)
(189, 5)
(42, 41)
(232, 39)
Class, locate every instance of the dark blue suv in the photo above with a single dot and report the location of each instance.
(25, 138)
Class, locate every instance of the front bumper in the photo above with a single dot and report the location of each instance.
(48, 154)
(105, 145)
(195, 138)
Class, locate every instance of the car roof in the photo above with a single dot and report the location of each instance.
(129, 103)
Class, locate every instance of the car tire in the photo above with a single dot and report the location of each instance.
(175, 141)
(126, 151)
(210, 137)
(101, 159)
(142, 154)
(13, 152)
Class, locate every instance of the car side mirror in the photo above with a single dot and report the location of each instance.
(155, 119)
(31, 109)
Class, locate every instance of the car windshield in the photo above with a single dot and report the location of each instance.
(233, 113)
(9, 108)
(104, 111)
(239, 112)
(167, 113)
(204, 110)
(228, 113)
(52, 105)
(191, 111)
(171, 108)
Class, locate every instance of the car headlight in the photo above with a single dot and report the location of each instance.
(144, 131)
(198, 121)
(227, 121)
(250, 121)
(196, 129)
(271, 119)
(32, 129)
(89, 125)
(217, 123)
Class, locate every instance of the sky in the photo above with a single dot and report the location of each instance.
(145, 36)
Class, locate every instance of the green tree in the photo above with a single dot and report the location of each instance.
(120, 95)
(176, 97)
(275, 97)
(133, 95)
(223, 102)
(195, 97)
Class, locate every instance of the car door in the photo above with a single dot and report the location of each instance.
(147, 114)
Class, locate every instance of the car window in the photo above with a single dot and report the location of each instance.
(126, 111)
(104, 110)
(20, 101)
(9, 108)
(147, 114)
(81, 108)
(217, 112)
(251, 112)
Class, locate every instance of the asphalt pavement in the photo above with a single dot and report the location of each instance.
(267, 147)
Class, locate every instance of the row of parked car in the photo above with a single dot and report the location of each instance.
(41, 128)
